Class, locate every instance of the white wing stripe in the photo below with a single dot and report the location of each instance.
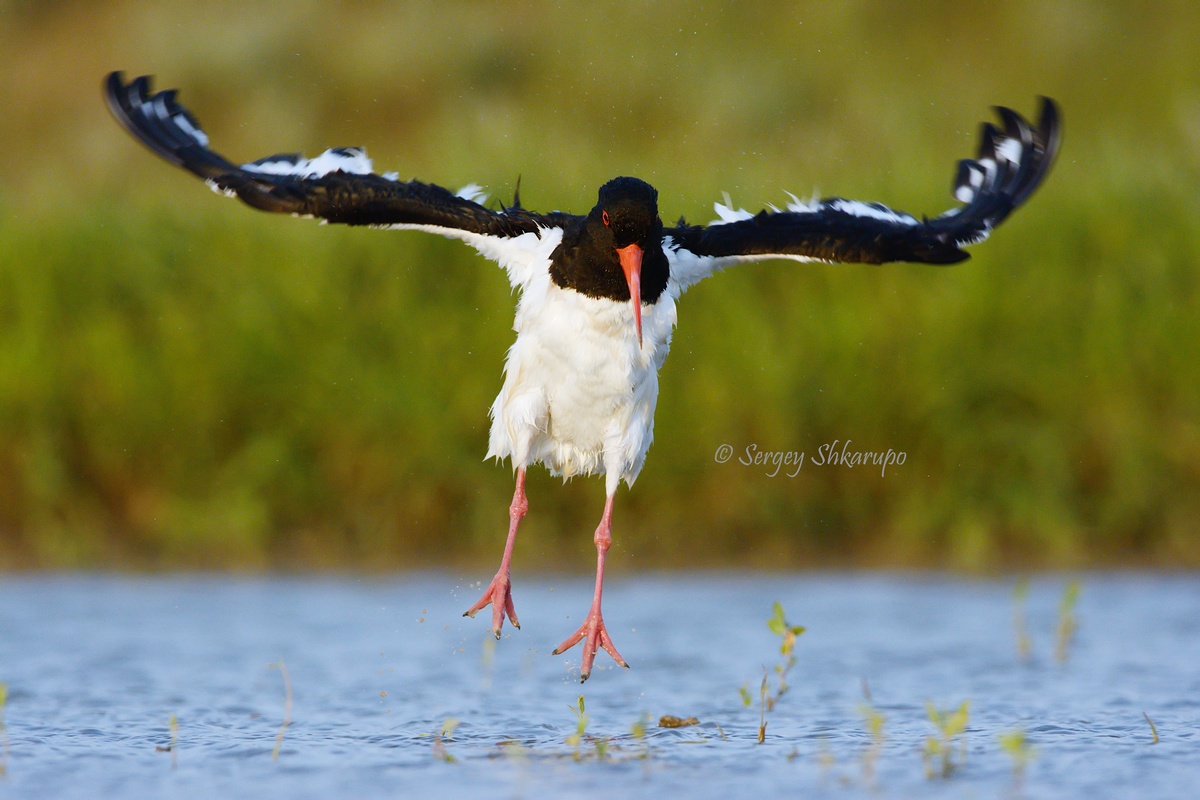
(856, 208)
(727, 213)
(351, 160)
(1010, 150)
(473, 192)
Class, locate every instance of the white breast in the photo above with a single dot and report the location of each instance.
(579, 394)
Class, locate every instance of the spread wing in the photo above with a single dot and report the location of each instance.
(1011, 163)
(337, 186)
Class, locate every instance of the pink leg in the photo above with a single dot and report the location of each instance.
(499, 592)
(593, 629)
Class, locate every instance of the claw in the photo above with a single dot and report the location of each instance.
(499, 596)
(596, 636)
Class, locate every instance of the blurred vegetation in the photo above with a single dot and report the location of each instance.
(187, 383)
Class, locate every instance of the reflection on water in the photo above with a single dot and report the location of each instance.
(97, 666)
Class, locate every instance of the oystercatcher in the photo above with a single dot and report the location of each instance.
(598, 291)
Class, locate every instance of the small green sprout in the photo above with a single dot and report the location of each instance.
(762, 715)
(1068, 623)
(638, 730)
(287, 707)
(173, 746)
(581, 722)
(780, 627)
(787, 633)
(576, 739)
(875, 724)
(3, 732)
(1153, 728)
(1017, 745)
(439, 741)
(601, 745)
(514, 749)
(1020, 597)
(825, 757)
(941, 750)
(487, 655)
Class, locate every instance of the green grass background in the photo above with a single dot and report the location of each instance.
(187, 383)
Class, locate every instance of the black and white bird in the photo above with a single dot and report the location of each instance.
(597, 292)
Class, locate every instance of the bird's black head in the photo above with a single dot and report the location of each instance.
(616, 251)
(628, 211)
(628, 207)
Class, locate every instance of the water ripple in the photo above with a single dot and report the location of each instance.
(393, 689)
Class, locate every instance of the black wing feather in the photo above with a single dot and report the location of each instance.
(990, 186)
(170, 130)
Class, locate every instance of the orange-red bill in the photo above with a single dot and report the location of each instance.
(631, 265)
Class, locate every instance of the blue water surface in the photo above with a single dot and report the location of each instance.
(96, 667)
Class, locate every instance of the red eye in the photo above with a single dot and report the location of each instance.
(604, 217)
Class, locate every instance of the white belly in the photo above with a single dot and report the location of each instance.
(579, 394)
